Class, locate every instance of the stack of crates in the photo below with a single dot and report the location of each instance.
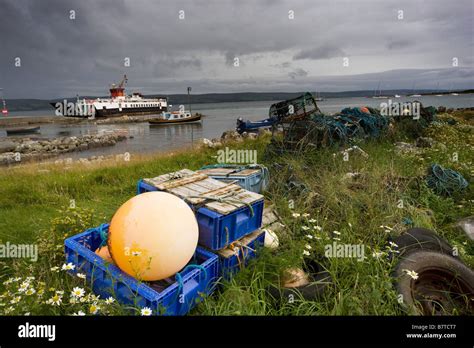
(176, 295)
(229, 217)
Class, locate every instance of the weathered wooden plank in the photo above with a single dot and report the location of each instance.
(181, 182)
(211, 184)
(169, 176)
(229, 172)
(240, 245)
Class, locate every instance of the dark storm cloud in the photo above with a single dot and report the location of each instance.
(297, 73)
(62, 57)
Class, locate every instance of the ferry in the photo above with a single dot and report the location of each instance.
(118, 104)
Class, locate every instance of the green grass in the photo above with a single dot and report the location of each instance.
(34, 208)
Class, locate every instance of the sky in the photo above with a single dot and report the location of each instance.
(60, 48)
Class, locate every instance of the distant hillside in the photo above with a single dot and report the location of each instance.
(39, 104)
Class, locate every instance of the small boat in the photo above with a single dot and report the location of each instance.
(175, 117)
(23, 130)
(4, 109)
(318, 97)
(397, 95)
(253, 126)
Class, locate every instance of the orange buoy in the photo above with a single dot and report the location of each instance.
(104, 253)
(153, 235)
(365, 109)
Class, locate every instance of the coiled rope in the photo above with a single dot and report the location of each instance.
(445, 181)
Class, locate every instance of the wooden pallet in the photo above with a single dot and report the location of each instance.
(199, 189)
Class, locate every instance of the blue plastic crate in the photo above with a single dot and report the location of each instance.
(216, 230)
(167, 297)
(251, 178)
(231, 261)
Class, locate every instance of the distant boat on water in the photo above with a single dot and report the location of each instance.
(4, 108)
(318, 97)
(23, 130)
(175, 117)
(413, 94)
(379, 95)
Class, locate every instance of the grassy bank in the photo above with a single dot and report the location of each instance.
(389, 191)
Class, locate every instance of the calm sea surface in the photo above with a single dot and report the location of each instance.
(219, 117)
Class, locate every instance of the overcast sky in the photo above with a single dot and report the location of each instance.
(63, 57)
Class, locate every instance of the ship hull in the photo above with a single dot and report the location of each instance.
(129, 111)
(139, 111)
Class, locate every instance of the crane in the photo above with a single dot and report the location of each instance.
(123, 82)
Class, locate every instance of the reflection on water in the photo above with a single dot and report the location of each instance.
(219, 117)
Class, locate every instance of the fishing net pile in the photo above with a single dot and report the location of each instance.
(320, 130)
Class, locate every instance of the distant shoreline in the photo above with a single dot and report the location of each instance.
(28, 105)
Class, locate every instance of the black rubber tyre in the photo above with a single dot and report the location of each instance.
(418, 238)
(320, 280)
(444, 285)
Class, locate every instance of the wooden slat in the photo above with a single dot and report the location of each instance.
(187, 184)
(229, 172)
(228, 252)
(181, 182)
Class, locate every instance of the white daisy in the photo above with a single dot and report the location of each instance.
(77, 292)
(109, 300)
(146, 311)
(306, 253)
(81, 275)
(55, 300)
(377, 254)
(94, 308)
(412, 274)
(68, 267)
(16, 299)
